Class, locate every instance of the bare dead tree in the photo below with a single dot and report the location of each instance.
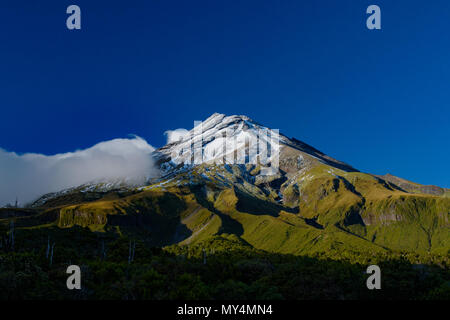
(48, 247)
(11, 235)
(131, 251)
(102, 250)
(49, 251)
(51, 254)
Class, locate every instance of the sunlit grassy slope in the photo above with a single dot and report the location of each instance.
(322, 209)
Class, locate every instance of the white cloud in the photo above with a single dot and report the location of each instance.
(31, 175)
(176, 135)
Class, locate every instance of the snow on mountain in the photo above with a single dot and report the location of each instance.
(221, 139)
(234, 140)
(220, 142)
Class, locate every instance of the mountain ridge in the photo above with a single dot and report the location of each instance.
(312, 204)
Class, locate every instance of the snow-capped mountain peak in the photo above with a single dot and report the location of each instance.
(234, 139)
(227, 140)
(223, 140)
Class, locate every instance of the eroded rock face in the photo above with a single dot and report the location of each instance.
(371, 218)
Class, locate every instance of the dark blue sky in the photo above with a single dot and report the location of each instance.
(378, 100)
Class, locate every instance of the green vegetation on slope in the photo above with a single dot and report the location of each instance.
(322, 219)
(222, 267)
